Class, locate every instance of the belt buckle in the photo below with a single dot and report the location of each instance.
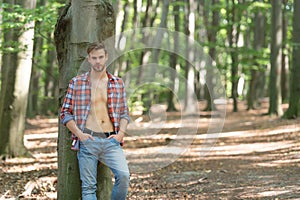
(92, 133)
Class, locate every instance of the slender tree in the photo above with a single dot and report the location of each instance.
(174, 57)
(189, 101)
(294, 104)
(15, 87)
(285, 51)
(72, 35)
(147, 21)
(8, 68)
(212, 29)
(151, 70)
(256, 73)
(276, 57)
(1, 10)
(233, 17)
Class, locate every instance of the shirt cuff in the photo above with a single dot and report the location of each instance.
(66, 119)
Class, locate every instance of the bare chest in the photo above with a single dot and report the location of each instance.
(99, 94)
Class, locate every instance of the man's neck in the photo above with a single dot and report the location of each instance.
(98, 75)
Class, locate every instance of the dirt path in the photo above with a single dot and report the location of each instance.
(255, 157)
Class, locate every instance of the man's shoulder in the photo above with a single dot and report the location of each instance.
(113, 77)
(80, 77)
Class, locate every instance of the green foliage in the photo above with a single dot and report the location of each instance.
(42, 19)
(14, 17)
(138, 100)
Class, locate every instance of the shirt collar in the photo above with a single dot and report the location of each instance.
(109, 75)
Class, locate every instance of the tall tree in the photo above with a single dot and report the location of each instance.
(285, 52)
(15, 86)
(72, 35)
(212, 27)
(147, 21)
(190, 20)
(151, 71)
(174, 57)
(256, 72)
(8, 59)
(294, 104)
(276, 59)
(1, 10)
(233, 18)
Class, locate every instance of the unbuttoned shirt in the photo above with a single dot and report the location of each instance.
(77, 103)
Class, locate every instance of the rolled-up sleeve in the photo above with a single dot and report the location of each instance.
(124, 107)
(66, 112)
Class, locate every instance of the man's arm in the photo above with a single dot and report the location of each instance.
(66, 111)
(125, 114)
(122, 131)
(66, 114)
(123, 127)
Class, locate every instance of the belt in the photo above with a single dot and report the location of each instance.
(99, 134)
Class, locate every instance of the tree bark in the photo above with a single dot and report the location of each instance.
(1, 11)
(173, 59)
(233, 36)
(294, 104)
(256, 73)
(48, 105)
(189, 102)
(15, 89)
(80, 23)
(285, 58)
(150, 70)
(212, 29)
(276, 59)
(8, 68)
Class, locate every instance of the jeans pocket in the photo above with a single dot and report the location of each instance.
(113, 140)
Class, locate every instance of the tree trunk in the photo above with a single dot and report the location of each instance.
(15, 91)
(285, 57)
(256, 73)
(80, 23)
(212, 29)
(155, 54)
(190, 99)
(276, 57)
(233, 35)
(146, 22)
(294, 105)
(33, 107)
(173, 59)
(1, 11)
(9, 63)
(48, 103)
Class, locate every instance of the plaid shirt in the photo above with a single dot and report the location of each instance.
(77, 102)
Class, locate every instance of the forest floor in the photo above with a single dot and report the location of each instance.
(255, 156)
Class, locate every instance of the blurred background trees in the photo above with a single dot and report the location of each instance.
(253, 44)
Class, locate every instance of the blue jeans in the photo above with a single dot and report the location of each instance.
(109, 152)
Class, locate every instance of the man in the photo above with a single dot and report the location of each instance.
(96, 112)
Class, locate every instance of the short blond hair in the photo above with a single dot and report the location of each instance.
(96, 46)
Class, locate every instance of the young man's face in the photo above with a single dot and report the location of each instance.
(98, 58)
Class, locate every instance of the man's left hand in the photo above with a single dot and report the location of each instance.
(119, 137)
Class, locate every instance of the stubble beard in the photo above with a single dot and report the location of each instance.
(99, 68)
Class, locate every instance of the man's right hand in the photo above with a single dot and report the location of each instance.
(84, 136)
(74, 129)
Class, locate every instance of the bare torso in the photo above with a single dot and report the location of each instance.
(98, 119)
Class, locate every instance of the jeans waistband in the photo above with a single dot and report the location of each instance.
(98, 134)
